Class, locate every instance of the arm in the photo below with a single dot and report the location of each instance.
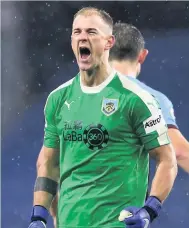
(181, 146)
(153, 132)
(148, 123)
(165, 173)
(47, 169)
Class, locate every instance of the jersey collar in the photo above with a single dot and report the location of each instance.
(99, 88)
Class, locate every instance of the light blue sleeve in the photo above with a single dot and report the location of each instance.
(167, 110)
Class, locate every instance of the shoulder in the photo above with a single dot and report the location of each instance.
(62, 88)
(163, 99)
(134, 91)
(167, 109)
(160, 97)
(58, 93)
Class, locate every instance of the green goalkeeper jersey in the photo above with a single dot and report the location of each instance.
(103, 134)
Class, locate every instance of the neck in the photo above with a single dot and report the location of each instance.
(96, 76)
(126, 68)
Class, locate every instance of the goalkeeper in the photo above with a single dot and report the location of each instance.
(99, 127)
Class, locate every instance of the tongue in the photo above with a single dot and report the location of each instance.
(84, 56)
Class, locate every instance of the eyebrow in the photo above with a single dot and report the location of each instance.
(92, 29)
(88, 29)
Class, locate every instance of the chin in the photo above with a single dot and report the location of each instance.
(84, 67)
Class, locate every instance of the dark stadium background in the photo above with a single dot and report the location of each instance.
(36, 58)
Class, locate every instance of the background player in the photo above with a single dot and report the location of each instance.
(101, 155)
(126, 56)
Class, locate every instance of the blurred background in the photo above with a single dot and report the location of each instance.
(37, 57)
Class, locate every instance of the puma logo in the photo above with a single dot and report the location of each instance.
(68, 104)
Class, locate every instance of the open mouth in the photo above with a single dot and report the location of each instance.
(84, 52)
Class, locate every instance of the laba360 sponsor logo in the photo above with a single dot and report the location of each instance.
(95, 136)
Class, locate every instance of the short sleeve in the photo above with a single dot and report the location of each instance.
(148, 122)
(51, 138)
(168, 111)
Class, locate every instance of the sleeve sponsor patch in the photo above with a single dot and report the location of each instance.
(154, 123)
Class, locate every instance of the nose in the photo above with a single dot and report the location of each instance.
(83, 36)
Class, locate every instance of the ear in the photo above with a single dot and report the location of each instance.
(142, 56)
(110, 42)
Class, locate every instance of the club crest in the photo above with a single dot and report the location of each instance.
(109, 106)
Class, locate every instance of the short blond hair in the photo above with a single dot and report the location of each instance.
(88, 11)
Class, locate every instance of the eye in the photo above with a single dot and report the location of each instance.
(76, 32)
(91, 32)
